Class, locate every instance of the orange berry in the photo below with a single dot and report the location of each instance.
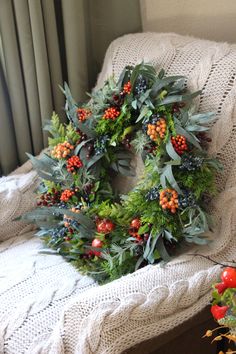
(168, 200)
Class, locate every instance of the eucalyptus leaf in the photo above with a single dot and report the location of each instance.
(162, 250)
(161, 74)
(203, 118)
(172, 153)
(86, 130)
(145, 112)
(135, 73)
(196, 128)
(79, 146)
(123, 77)
(93, 160)
(167, 174)
(134, 104)
(162, 83)
(168, 235)
(151, 257)
(70, 107)
(179, 98)
(139, 262)
(147, 247)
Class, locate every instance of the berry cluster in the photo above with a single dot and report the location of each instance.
(157, 130)
(153, 194)
(58, 235)
(66, 195)
(133, 231)
(179, 143)
(127, 88)
(111, 113)
(72, 163)
(191, 163)
(83, 114)
(105, 226)
(62, 150)
(141, 85)
(49, 199)
(187, 199)
(100, 144)
(169, 200)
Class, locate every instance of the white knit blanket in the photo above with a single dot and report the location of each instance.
(47, 307)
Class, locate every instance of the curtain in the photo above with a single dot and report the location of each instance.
(42, 44)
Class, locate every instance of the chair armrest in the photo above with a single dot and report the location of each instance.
(137, 307)
(16, 198)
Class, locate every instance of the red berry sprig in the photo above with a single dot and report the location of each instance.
(49, 199)
(169, 200)
(111, 113)
(73, 163)
(83, 114)
(66, 195)
(179, 143)
(127, 88)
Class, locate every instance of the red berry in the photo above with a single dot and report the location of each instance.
(105, 226)
(97, 244)
(221, 287)
(219, 312)
(228, 277)
(109, 226)
(83, 114)
(111, 113)
(101, 228)
(179, 143)
(135, 223)
(127, 88)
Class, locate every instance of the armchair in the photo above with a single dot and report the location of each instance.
(49, 307)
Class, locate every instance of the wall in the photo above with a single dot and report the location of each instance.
(108, 20)
(210, 19)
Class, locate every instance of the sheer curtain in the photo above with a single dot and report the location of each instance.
(43, 43)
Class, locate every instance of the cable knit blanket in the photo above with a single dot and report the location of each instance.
(47, 307)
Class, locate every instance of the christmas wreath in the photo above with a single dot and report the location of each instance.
(80, 214)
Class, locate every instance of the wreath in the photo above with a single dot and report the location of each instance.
(80, 214)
